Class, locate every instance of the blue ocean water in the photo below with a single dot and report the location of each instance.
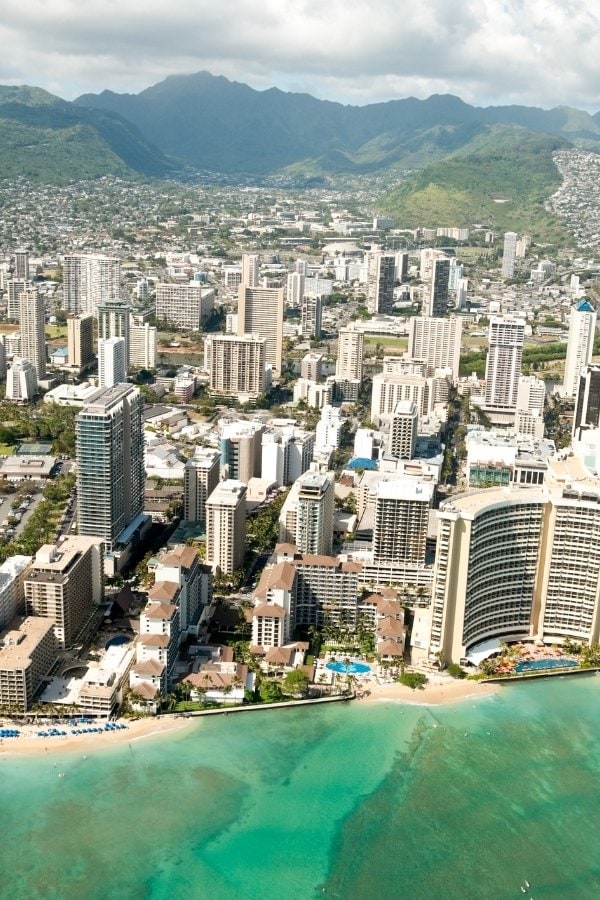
(357, 801)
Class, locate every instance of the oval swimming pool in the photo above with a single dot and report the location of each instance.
(352, 668)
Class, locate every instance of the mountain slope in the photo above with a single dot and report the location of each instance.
(502, 179)
(211, 122)
(47, 139)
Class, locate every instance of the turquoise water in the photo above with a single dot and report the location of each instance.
(347, 801)
(538, 665)
(352, 668)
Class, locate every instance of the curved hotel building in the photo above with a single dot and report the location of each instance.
(514, 564)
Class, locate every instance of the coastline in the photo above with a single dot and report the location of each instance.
(29, 744)
(435, 693)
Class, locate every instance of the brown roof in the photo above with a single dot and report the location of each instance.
(155, 640)
(289, 549)
(314, 559)
(256, 650)
(270, 610)
(389, 627)
(160, 611)
(226, 653)
(351, 566)
(280, 656)
(145, 690)
(373, 598)
(149, 667)
(281, 576)
(391, 608)
(163, 591)
(390, 648)
(182, 555)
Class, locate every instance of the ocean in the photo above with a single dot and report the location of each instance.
(387, 800)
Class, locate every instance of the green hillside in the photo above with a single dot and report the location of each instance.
(45, 139)
(502, 178)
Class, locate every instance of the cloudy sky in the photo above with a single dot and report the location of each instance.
(540, 52)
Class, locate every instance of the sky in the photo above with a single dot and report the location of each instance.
(539, 53)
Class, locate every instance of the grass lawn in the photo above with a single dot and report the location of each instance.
(390, 343)
(56, 331)
(6, 450)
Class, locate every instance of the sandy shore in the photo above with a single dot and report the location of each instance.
(29, 744)
(435, 693)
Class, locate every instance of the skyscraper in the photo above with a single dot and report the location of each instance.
(306, 518)
(112, 365)
(403, 430)
(21, 381)
(110, 462)
(14, 289)
(89, 279)
(113, 321)
(260, 311)
(438, 297)
(32, 316)
(21, 267)
(250, 270)
(587, 404)
(503, 366)
(236, 365)
(80, 340)
(509, 254)
(350, 354)
(580, 345)
(401, 520)
(310, 319)
(295, 289)
(226, 526)
(437, 341)
(201, 476)
(381, 274)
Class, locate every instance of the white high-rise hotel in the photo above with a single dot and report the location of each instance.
(503, 366)
(509, 254)
(580, 345)
(89, 279)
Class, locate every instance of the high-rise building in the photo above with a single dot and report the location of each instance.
(113, 321)
(437, 305)
(142, 345)
(381, 275)
(350, 354)
(310, 317)
(402, 265)
(226, 526)
(295, 290)
(241, 450)
(404, 430)
(531, 394)
(112, 362)
(66, 583)
(236, 365)
(110, 462)
(89, 279)
(509, 254)
(401, 520)
(185, 306)
(311, 366)
(32, 316)
(27, 653)
(587, 403)
(201, 476)
(250, 270)
(80, 340)
(580, 345)
(437, 341)
(306, 517)
(21, 381)
(12, 593)
(14, 288)
(260, 311)
(21, 267)
(503, 366)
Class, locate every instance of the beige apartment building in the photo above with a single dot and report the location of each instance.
(260, 312)
(226, 526)
(236, 365)
(28, 651)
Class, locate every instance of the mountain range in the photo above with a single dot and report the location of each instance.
(473, 163)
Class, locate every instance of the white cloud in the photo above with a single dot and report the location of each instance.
(543, 52)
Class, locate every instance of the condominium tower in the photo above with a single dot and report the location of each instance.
(437, 341)
(350, 354)
(32, 316)
(503, 366)
(236, 365)
(260, 311)
(509, 254)
(580, 345)
(110, 462)
(201, 476)
(89, 279)
(80, 340)
(226, 526)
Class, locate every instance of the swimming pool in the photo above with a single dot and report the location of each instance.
(117, 641)
(538, 665)
(353, 668)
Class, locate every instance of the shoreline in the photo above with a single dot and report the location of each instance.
(29, 745)
(436, 693)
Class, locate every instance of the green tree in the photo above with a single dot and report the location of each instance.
(296, 682)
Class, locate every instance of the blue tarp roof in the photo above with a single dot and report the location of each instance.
(361, 462)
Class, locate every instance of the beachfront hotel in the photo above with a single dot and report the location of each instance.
(518, 564)
(28, 651)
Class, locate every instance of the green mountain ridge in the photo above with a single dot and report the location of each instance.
(50, 140)
(502, 178)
